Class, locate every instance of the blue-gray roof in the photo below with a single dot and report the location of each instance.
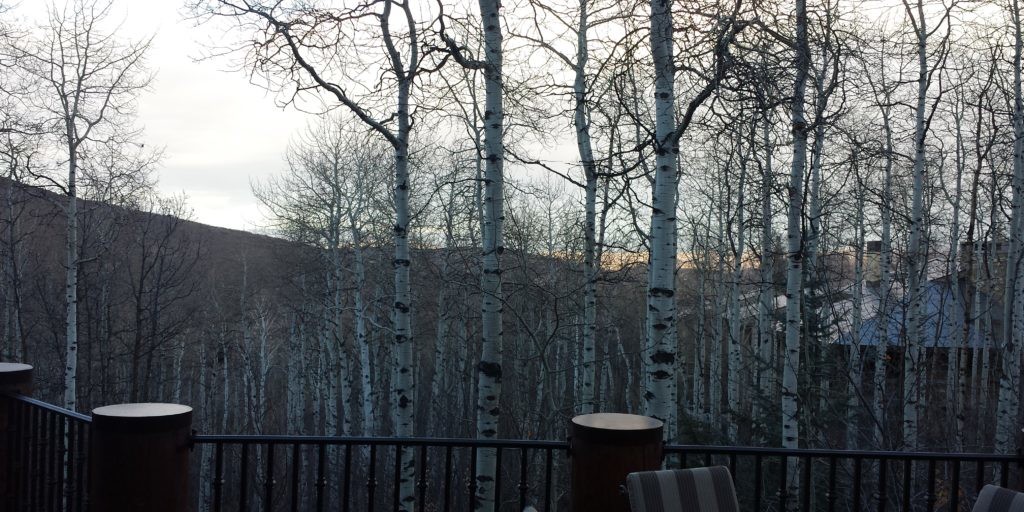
(942, 318)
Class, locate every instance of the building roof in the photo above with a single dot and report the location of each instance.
(943, 320)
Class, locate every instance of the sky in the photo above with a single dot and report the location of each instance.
(217, 130)
(219, 133)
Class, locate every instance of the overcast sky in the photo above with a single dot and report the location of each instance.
(217, 130)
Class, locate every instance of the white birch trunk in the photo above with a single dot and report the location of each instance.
(488, 410)
(590, 265)
(915, 251)
(884, 288)
(955, 319)
(296, 371)
(766, 303)
(699, 387)
(14, 288)
(179, 354)
(1007, 424)
(856, 364)
(403, 381)
(718, 316)
(363, 340)
(71, 276)
(661, 339)
(205, 450)
(735, 322)
(794, 237)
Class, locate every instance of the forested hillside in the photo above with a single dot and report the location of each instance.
(763, 222)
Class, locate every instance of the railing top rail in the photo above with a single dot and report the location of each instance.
(379, 441)
(849, 454)
(50, 407)
(562, 445)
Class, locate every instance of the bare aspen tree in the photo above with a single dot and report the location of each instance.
(883, 91)
(329, 198)
(660, 345)
(89, 82)
(735, 374)
(916, 253)
(661, 335)
(794, 254)
(489, 369)
(1007, 424)
(296, 44)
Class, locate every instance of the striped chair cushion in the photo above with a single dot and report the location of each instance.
(998, 499)
(682, 490)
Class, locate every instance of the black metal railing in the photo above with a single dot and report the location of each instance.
(363, 473)
(48, 449)
(345, 473)
(845, 480)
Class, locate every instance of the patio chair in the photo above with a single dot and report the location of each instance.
(998, 499)
(682, 490)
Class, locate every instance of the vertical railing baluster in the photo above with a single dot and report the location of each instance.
(422, 484)
(1004, 474)
(243, 487)
(81, 477)
(321, 476)
(757, 482)
(805, 485)
(69, 484)
(954, 487)
(857, 462)
(931, 485)
(979, 476)
(831, 494)
(218, 477)
(14, 430)
(548, 466)
(1020, 469)
(523, 484)
(907, 466)
(40, 456)
(51, 460)
(371, 482)
(31, 422)
(296, 466)
(497, 478)
(45, 460)
(783, 477)
(64, 461)
(268, 503)
(883, 465)
(396, 491)
(346, 484)
(55, 449)
(447, 477)
(732, 467)
(472, 478)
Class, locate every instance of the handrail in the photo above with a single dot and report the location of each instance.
(379, 441)
(546, 444)
(50, 407)
(849, 454)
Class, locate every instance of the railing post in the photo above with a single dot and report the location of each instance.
(603, 449)
(139, 457)
(14, 378)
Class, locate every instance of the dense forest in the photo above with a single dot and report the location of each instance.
(763, 222)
